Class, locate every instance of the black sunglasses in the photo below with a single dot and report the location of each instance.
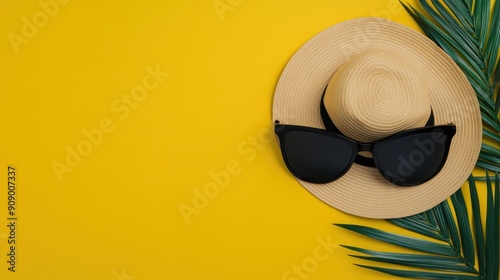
(407, 158)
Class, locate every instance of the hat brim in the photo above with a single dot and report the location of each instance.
(362, 191)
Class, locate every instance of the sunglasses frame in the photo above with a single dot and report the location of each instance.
(282, 129)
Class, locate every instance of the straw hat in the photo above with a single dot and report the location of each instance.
(381, 78)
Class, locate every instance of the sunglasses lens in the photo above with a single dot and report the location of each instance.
(315, 157)
(412, 159)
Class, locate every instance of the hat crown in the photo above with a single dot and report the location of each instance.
(376, 94)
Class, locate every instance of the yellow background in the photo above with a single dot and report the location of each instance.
(116, 214)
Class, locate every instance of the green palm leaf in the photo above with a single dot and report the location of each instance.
(469, 33)
(454, 241)
(452, 245)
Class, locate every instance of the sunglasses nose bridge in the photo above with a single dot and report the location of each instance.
(364, 147)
